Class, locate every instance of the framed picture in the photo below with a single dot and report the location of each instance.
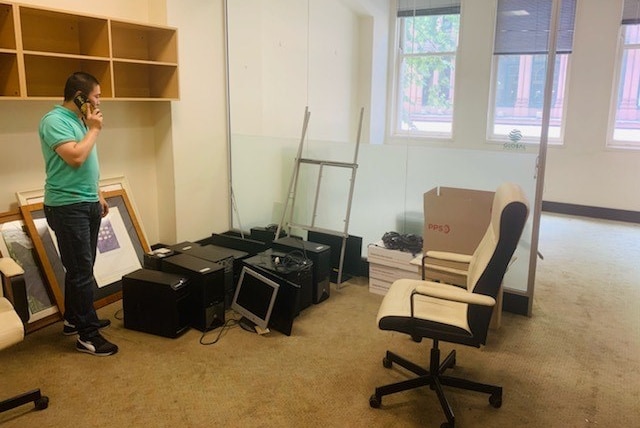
(35, 196)
(16, 243)
(121, 248)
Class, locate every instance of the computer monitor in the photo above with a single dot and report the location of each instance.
(254, 299)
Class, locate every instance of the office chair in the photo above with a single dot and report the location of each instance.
(12, 322)
(443, 312)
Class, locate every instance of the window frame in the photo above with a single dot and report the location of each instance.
(396, 134)
(566, 25)
(504, 138)
(611, 142)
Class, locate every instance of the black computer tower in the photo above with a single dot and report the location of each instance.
(206, 281)
(291, 268)
(229, 258)
(153, 260)
(156, 302)
(248, 245)
(319, 254)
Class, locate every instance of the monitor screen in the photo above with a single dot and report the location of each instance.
(254, 297)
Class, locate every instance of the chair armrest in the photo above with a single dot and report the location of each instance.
(443, 261)
(12, 275)
(9, 267)
(445, 255)
(452, 293)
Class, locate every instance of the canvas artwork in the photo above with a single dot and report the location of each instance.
(120, 249)
(115, 255)
(15, 243)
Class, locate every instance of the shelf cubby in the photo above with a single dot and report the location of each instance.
(46, 75)
(145, 43)
(40, 48)
(50, 31)
(7, 29)
(9, 79)
(145, 80)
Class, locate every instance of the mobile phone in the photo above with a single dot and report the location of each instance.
(82, 102)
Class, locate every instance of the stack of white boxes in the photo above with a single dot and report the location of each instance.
(386, 266)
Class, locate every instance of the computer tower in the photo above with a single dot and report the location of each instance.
(352, 261)
(248, 245)
(206, 281)
(294, 269)
(230, 259)
(319, 254)
(153, 260)
(156, 302)
(264, 234)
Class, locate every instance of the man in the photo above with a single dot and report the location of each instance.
(74, 205)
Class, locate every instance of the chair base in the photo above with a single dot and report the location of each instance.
(40, 401)
(435, 379)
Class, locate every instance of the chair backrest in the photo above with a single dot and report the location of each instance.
(491, 258)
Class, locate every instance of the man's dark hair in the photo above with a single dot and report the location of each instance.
(79, 81)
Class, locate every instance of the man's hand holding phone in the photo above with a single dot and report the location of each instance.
(93, 118)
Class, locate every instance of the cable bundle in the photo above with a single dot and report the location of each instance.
(407, 242)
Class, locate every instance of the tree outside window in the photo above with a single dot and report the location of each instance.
(428, 46)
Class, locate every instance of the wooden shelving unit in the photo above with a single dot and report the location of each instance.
(40, 48)
(9, 76)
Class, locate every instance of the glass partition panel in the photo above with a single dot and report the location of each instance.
(284, 55)
(389, 187)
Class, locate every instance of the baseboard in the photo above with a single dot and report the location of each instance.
(592, 212)
(515, 303)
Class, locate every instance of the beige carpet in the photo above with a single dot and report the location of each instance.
(575, 363)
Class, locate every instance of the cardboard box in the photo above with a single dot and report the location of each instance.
(377, 253)
(455, 219)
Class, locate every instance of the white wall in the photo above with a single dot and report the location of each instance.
(584, 171)
(199, 120)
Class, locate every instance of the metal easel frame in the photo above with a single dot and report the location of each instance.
(293, 185)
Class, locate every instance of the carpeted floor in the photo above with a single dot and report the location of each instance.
(574, 363)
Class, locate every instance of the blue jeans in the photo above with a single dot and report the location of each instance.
(76, 227)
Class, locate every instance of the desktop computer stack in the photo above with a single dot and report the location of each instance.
(229, 258)
(156, 302)
(294, 269)
(207, 288)
(318, 254)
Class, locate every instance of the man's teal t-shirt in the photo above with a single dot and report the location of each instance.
(65, 184)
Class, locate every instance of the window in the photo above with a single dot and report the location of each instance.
(427, 43)
(626, 115)
(520, 67)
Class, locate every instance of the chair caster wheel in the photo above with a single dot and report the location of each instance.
(42, 403)
(495, 400)
(386, 363)
(374, 401)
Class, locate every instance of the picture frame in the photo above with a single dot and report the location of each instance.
(121, 248)
(34, 196)
(16, 244)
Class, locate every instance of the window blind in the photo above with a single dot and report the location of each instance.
(631, 12)
(522, 27)
(428, 7)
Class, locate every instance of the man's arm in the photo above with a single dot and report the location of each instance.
(75, 153)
